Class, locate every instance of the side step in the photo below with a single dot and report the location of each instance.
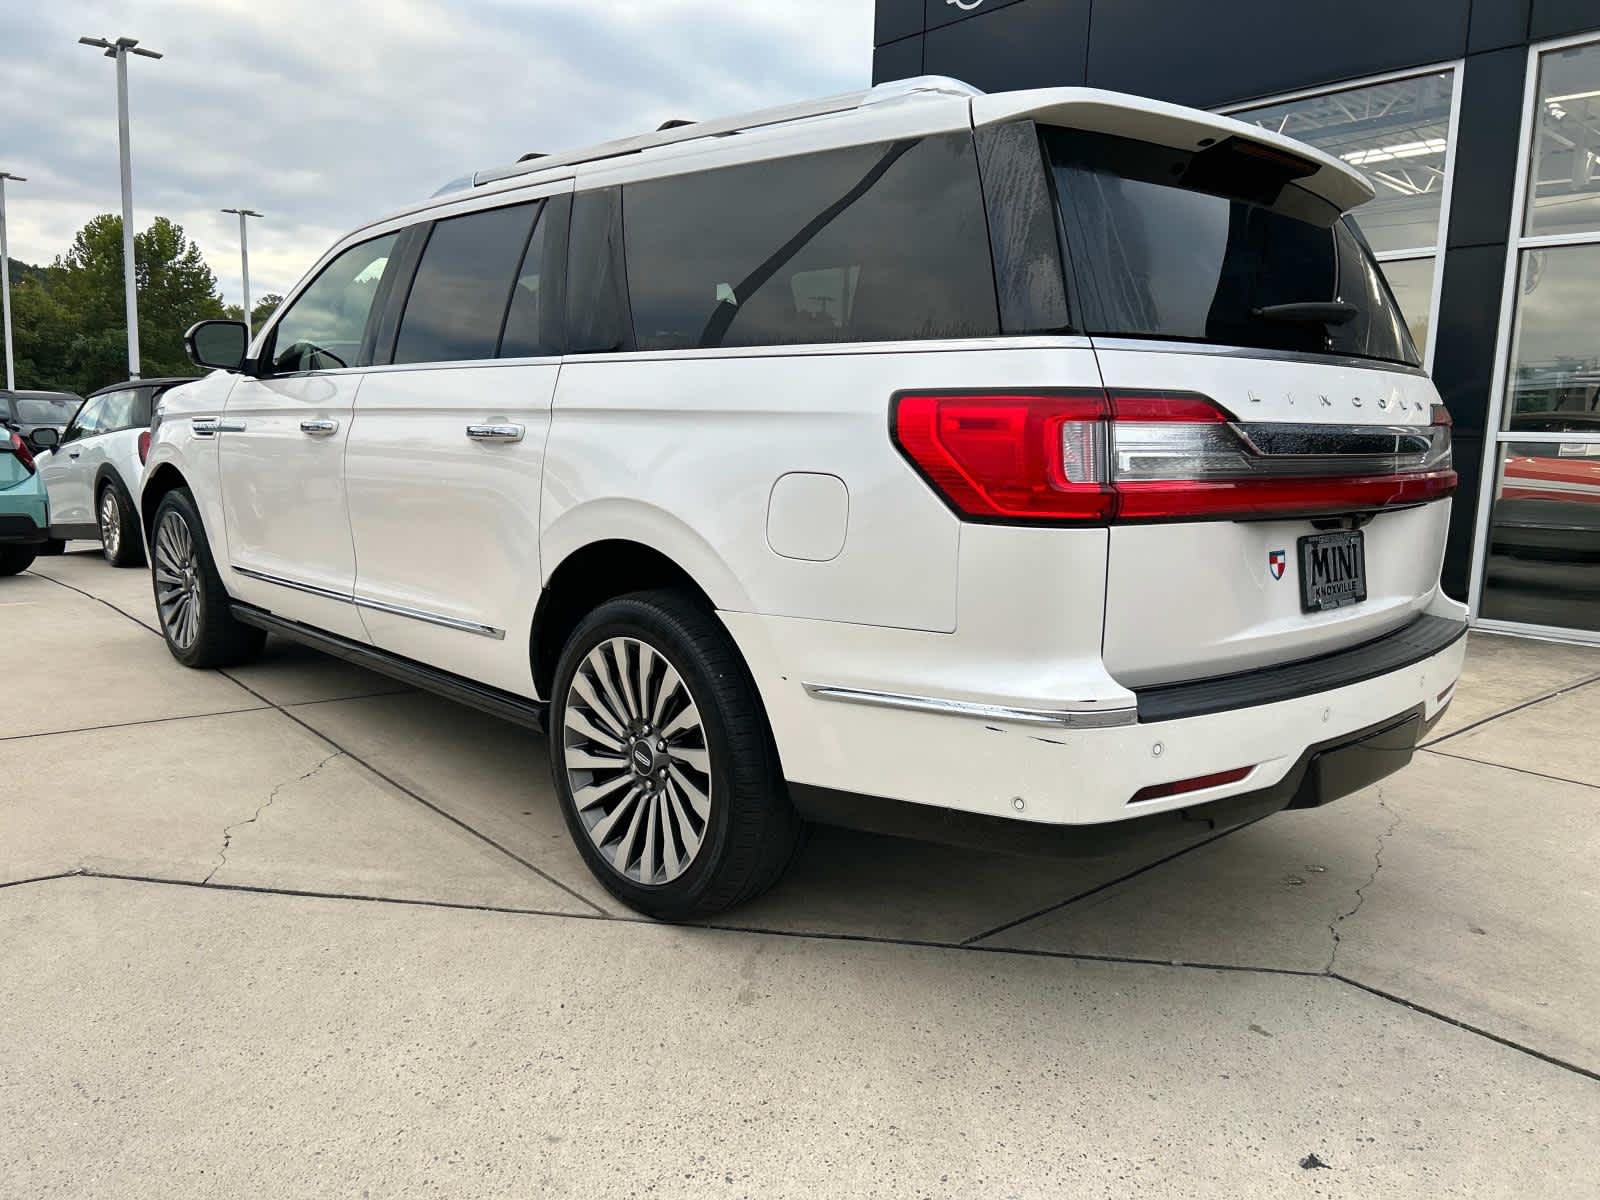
(508, 707)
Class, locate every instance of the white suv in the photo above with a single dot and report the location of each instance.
(1018, 469)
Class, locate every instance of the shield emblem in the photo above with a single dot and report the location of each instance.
(1277, 563)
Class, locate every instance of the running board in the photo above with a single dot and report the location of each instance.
(508, 707)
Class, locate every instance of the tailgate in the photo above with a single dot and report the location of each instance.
(1196, 598)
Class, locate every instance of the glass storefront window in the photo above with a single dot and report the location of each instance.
(1542, 565)
(1564, 196)
(1411, 281)
(1554, 382)
(1396, 134)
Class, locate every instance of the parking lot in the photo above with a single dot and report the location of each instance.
(294, 929)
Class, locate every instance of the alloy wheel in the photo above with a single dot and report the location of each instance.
(637, 761)
(177, 574)
(110, 523)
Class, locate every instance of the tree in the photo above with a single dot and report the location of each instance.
(71, 320)
(259, 315)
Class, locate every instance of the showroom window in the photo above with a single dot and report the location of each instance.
(1398, 131)
(1538, 535)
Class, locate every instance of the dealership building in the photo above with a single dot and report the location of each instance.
(1478, 124)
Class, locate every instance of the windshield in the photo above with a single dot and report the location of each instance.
(37, 410)
(1216, 246)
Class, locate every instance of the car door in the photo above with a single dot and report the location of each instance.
(68, 476)
(281, 444)
(444, 463)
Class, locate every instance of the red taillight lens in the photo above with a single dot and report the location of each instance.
(144, 447)
(24, 455)
(1083, 456)
(1196, 784)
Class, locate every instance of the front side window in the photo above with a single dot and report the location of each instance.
(323, 329)
(1213, 246)
(87, 422)
(885, 242)
(463, 283)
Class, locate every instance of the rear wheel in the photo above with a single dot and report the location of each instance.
(119, 527)
(663, 762)
(191, 602)
(16, 559)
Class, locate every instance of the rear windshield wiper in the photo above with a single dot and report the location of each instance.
(1312, 312)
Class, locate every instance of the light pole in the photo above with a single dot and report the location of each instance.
(119, 50)
(5, 277)
(244, 260)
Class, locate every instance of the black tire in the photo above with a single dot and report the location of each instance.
(214, 638)
(52, 548)
(751, 832)
(119, 541)
(16, 559)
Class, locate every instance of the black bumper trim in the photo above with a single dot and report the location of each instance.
(1423, 638)
(1325, 772)
(19, 529)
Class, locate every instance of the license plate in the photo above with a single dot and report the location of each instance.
(1333, 570)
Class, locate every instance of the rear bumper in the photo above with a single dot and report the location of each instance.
(21, 528)
(1274, 722)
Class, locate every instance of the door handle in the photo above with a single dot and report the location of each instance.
(319, 428)
(495, 433)
(74, 453)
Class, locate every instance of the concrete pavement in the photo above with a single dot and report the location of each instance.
(294, 930)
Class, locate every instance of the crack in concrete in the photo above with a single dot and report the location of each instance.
(1361, 892)
(227, 832)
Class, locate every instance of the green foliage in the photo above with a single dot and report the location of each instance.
(263, 309)
(69, 318)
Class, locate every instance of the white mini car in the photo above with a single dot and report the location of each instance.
(1032, 469)
(92, 473)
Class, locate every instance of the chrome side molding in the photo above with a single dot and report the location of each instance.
(1087, 718)
(398, 610)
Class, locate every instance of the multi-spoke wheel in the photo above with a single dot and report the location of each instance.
(177, 579)
(191, 603)
(663, 760)
(637, 761)
(119, 537)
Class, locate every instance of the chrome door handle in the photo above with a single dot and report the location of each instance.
(495, 433)
(204, 426)
(319, 428)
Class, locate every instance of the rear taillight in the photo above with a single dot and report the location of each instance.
(144, 447)
(1090, 457)
(24, 455)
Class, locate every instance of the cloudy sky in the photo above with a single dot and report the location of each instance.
(324, 113)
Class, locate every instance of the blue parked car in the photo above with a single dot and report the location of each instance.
(24, 509)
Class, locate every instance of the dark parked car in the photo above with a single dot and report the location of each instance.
(25, 412)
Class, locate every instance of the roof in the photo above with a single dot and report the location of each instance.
(22, 394)
(161, 381)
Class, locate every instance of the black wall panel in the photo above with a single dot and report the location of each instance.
(1036, 43)
(897, 60)
(1486, 148)
(1213, 53)
(1497, 24)
(897, 19)
(1469, 309)
(1557, 18)
(1457, 575)
(943, 12)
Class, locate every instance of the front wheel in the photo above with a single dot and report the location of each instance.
(191, 602)
(663, 762)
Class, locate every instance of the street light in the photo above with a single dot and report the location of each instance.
(244, 259)
(5, 277)
(119, 50)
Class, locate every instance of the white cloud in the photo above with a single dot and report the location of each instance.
(324, 113)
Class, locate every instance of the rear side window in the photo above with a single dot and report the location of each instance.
(463, 284)
(1215, 246)
(536, 319)
(871, 243)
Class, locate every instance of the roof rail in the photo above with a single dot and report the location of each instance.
(845, 102)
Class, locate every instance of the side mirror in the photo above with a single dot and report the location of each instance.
(46, 438)
(219, 344)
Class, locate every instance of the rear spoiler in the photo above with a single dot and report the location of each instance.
(1168, 125)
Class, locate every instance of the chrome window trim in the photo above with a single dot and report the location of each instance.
(1083, 718)
(398, 610)
(1164, 346)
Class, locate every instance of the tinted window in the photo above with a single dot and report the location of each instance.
(871, 243)
(534, 323)
(597, 297)
(1194, 246)
(458, 299)
(323, 329)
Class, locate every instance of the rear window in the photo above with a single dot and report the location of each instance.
(1216, 246)
(884, 242)
(35, 410)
